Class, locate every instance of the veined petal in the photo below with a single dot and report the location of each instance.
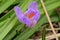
(33, 5)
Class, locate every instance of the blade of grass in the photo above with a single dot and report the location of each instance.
(7, 29)
(6, 5)
(3, 22)
(13, 32)
(48, 2)
(44, 34)
(7, 23)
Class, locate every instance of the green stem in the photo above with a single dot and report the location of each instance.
(44, 34)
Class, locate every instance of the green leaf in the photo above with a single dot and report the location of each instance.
(44, 34)
(6, 5)
(13, 32)
(8, 28)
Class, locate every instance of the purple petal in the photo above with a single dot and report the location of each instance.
(33, 5)
(19, 13)
(29, 11)
(27, 21)
(37, 16)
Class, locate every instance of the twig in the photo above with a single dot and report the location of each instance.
(49, 19)
(48, 29)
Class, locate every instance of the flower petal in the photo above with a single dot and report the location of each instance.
(37, 16)
(18, 13)
(27, 21)
(33, 5)
(29, 11)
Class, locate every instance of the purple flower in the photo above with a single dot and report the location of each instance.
(30, 17)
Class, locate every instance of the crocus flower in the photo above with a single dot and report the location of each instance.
(30, 17)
